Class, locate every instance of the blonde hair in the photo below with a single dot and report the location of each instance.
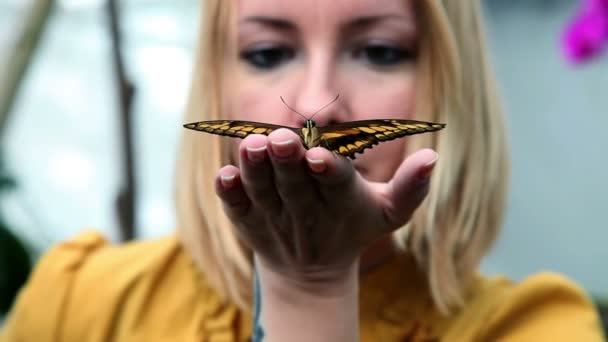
(457, 223)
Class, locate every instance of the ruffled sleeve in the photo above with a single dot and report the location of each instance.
(86, 289)
(544, 307)
(220, 321)
(40, 306)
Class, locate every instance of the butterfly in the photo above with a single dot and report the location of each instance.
(346, 138)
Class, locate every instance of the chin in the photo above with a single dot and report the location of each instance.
(381, 163)
(372, 170)
(362, 170)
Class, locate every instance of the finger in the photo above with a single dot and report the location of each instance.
(294, 186)
(259, 184)
(290, 173)
(335, 173)
(257, 173)
(238, 208)
(230, 190)
(409, 186)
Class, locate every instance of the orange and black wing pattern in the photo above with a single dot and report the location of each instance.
(353, 137)
(235, 128)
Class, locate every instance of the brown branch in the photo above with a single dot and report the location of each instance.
(20, 57)
(126, 199)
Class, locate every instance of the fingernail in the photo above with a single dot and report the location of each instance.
(427, 169)
(283, 148)
(227, 181)
(256, 154)
(317, 165)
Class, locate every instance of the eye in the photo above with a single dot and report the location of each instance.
(267, 56)
(383, 54)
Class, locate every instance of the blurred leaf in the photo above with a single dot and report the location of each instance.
(15, 267)
(602, 307)
(15, 263)
(6, 181)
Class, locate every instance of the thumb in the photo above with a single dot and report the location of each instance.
(409, 186)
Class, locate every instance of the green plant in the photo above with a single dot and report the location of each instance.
(602, 307)
(15, 262)
(15, 266)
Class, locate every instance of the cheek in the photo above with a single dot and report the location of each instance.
(380, 163)
(247, 104)
(389, 98)
(251, 98)
(393, 99)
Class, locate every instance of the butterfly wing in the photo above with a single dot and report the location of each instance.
(353, 137)
(235, 128)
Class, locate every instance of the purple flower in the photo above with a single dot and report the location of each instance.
(599, 4)
(587, 35)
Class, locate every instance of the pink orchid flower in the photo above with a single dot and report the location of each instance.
(586, 37)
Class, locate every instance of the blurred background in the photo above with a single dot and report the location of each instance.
(91, 98)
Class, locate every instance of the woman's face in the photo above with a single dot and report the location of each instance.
(310, 51)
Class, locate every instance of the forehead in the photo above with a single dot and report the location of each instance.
(317, 11)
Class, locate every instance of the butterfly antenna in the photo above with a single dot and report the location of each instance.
(334, 100)
(295, 111)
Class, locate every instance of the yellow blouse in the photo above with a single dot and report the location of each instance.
(88, 290)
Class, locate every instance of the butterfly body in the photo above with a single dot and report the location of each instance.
(347, 138)
(310, 134)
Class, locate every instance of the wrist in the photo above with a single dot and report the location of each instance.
(303, 310)
(317, 284)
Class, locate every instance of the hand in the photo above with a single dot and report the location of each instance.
(307, 214)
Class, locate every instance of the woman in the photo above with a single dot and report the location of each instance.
(311, 222)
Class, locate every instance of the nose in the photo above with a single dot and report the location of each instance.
(319, 94)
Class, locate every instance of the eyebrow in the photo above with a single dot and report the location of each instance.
(357, 23)
(365, 21)
(276, 23)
